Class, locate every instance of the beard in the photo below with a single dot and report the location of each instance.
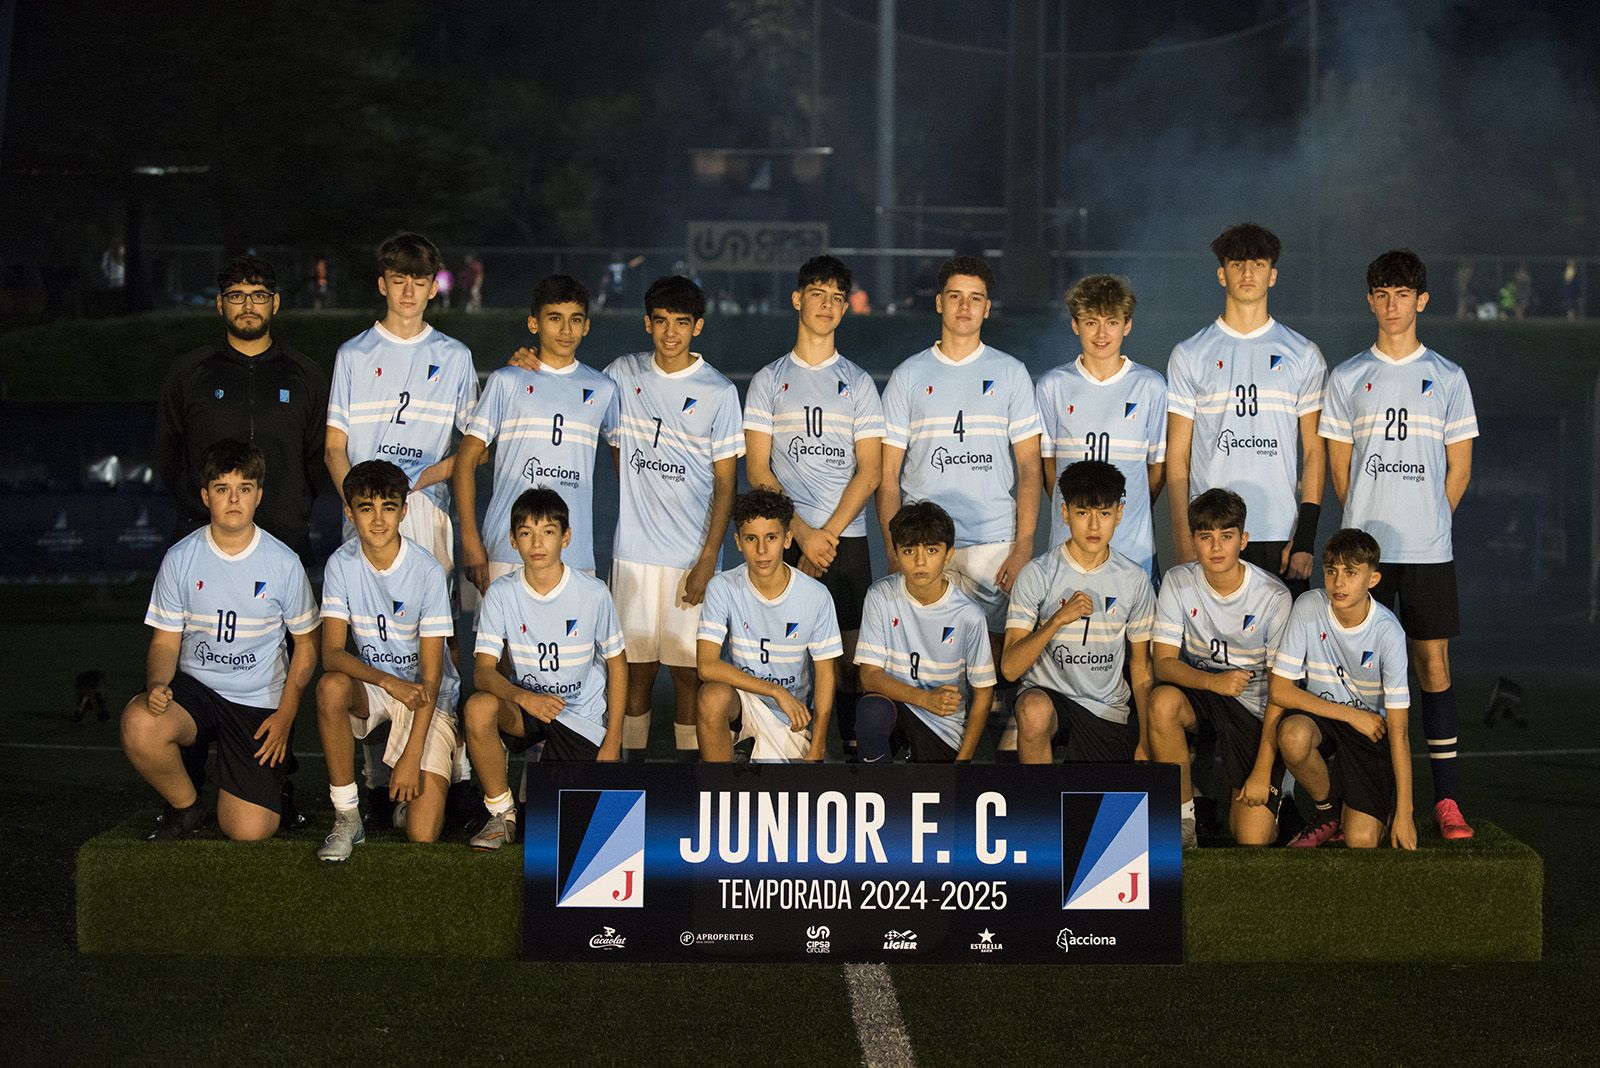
(250, 333)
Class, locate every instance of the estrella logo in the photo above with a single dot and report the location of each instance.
(572, 628)
(988, 387)
(433, 372)
(689, 403)
(588, 397)
(949, 636)
(261, 591)
(399, 609)
(1427, 387)
(1249, 624)
(791, 629)
(1366, 658)
(1130, 409)
(1274, 362)
(844, 390)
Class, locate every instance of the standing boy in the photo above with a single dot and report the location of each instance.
(394, 599)
(813, 430)
(1400, 424)
(924, 653)
(1349, 654)
(782, 637)
(215, 672)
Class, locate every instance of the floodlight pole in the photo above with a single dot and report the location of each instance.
(884, 238)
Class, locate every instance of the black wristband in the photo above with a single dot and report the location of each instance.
(1305, 528)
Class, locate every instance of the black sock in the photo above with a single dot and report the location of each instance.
(1440, 720)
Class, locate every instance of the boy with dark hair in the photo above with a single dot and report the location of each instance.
(222, 601)
(548, 424)
(924, 653)
(1219, 621)
(557, 630)
(1340, 677)
(678, 444)
(777, 684)
(813, 429)
(1400, 423)
(1243, 396)
(393, 599)
(1103, 406)
(1073, 691)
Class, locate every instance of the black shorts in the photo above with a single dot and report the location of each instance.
(1427, 594)
(1361, 769)
(917, 739)
(561, 742)
(1085, 735)
(1268, 556)
(232, 726)
(846, 579)
(1236, 732)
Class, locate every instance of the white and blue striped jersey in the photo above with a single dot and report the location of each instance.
(945, 643)
(398, 400)
(1364, 666)
(957, 423)
(1398, 416)
(558, 643)
(392, 610)
(673, 427)
(549, 424)
(232, 612)
(815, 416)
(1239, 632)
(776, 640)
(1122, 421)
(1084, 660)
(1245, 394)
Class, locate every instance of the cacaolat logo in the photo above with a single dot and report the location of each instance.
(608, 939)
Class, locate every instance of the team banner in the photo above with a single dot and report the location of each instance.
(1061, 864)
(754, 246)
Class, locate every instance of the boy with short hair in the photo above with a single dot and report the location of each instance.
(223, 598)
(1243, 396)
(1219, 621)
(393, 598)
(1340, 677)
(678, 444)
(1079, 614)
(776, 685)
(813, 430)
(547, 425)
(1400, 423)
(1103, 406)
(558, 631)
(924, 653)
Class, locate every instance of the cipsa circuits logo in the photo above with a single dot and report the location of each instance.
(819, 939)
(600, 850)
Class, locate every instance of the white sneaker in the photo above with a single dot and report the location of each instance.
(500, 830)
(1186, 832)
(399, 817)
(348, 832)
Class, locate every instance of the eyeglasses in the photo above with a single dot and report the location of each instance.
(239, 296)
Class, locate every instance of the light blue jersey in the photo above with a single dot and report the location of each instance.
(1084, 660)
(1245, 394)
(957, 423)
(815, 416)
(1398, 416)
(1364, 666)
(776, 640)
(1239, 632)
(672, 429)
(549, 424)
(558, 643)
(232, 612)
(398, 400)
(945, 643)
(1122, 421)
(391, 611)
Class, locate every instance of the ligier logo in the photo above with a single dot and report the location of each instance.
(949, 636)
(608, 939)
(1228, 441)
(1408, 472)
(800, 449)
(900, 940)
(1066, 940)
(986, 942)
(668, 470)
(206, 655)
(943, 458)
(600, 851)
(1105, 850)
(818, 938)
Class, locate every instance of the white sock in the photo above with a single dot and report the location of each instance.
(344, 798)
(636, 731)
(686, 735)
(1186, 810)
(499, 806)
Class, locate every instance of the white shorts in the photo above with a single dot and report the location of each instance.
(440, 752)
(656, 624)
(973, 570)
(775, 742)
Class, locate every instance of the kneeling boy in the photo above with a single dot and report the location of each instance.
(1352, 714)
(1078, 614)
(1219, 621)
(777, 684)
(568, 684)
(215, 671)
(926, 666)
(394, 598)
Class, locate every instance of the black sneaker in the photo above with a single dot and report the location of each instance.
(176, 823)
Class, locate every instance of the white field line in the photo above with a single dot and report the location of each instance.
(876, 1010)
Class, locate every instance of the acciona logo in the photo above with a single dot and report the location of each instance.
(943, 458)
(531, 682)
(1228, 442)
(1066, 939)
(800, 451)
(405, 452)
(1065, 657)
(666, 468)
(375, 656)
(900, 940)
(608, 939)
(1408, 472)
(206, 655)
(533, 471)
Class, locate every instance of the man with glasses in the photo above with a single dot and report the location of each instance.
(252, 387)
